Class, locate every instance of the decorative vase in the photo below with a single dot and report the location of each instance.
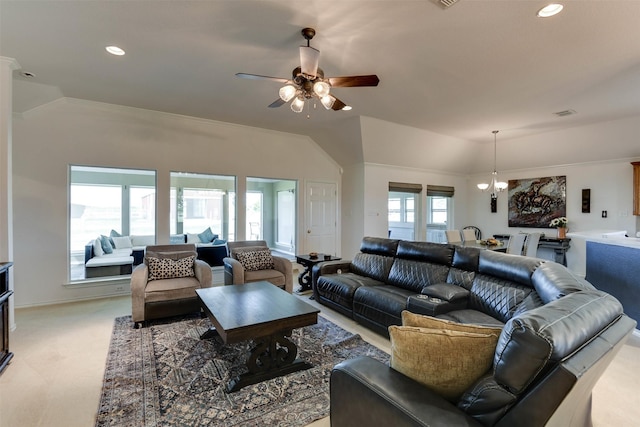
(562, 232)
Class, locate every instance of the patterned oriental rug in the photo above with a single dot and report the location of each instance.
(164, 375)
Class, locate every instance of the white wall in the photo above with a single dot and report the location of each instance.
(67, 131)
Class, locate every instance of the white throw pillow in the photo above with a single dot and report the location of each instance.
(97, 248)
(193, 238)
(121, 242)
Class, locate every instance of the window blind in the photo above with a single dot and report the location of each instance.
(405, 187)
(440, 190)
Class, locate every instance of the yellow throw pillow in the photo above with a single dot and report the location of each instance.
(424, 321)
(445, 360)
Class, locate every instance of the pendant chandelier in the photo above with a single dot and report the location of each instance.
(495, 186)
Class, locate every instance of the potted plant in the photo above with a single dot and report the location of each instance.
(561, 224)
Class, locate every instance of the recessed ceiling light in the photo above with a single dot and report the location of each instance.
(550, 10)
(115, 50)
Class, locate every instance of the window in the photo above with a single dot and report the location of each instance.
(439, 212)
(105, 199)
(403, 200)
(271, 212)
(199, 201)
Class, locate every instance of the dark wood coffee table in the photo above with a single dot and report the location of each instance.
(264, 313)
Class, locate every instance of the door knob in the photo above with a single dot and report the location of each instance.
(308, 231)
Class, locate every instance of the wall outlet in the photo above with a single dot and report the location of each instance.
(120, 288)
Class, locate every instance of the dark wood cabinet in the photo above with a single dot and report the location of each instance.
(5, 293)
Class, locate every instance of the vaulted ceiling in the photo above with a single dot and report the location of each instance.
(460, 71)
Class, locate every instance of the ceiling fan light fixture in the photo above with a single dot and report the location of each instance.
(327, 101)
(550, 10)
(321, 88)
(309, 58)
(347, 108)
(287, 92)
(297, 105)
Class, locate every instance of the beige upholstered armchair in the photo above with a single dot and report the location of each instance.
(164, 285)
(252, 261)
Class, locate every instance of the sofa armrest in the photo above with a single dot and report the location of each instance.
(233, 271)
(332, 267)
(139, 279)
(432, 306)
(88, 252)
(202, 271)
(386, 397)
(284, 266)
(327, 267)
(446, 292)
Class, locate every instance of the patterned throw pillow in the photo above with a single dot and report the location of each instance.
(259, 259)
(167, 268)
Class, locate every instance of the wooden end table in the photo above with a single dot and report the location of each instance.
(262, 312)
(304, 278)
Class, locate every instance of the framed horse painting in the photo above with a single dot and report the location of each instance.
(534, 202)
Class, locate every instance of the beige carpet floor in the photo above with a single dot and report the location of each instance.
(60, 352)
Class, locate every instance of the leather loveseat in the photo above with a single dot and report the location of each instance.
(558, 335)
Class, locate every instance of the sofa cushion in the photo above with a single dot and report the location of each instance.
(425, 252)
(167, 268)
(259, 259)
(460, 277)
(272, 276)
(471, 316)
(372, 265)
(415, 275)
(121, 242)
(466, 258)
(383, 305)
(111, 259)
(497, 297)
(171, 289)
(379, 246)
(446, 359)
(142, 240)
(339, 288)
(551, 282)
(97, 248)
(177, 239)
(510, 267)
(193, 238)
(207, 236)
(106, 244)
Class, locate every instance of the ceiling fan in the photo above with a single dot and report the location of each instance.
(308, 82)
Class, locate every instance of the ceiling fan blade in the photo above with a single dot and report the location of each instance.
(277, 103)
(309, 58)
(259, 77)
(337, 104)
(353, 81)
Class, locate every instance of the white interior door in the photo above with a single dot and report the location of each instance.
(321, 223)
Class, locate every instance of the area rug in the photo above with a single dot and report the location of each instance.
(165, 375)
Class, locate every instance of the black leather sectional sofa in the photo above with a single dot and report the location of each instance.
(559, 334)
